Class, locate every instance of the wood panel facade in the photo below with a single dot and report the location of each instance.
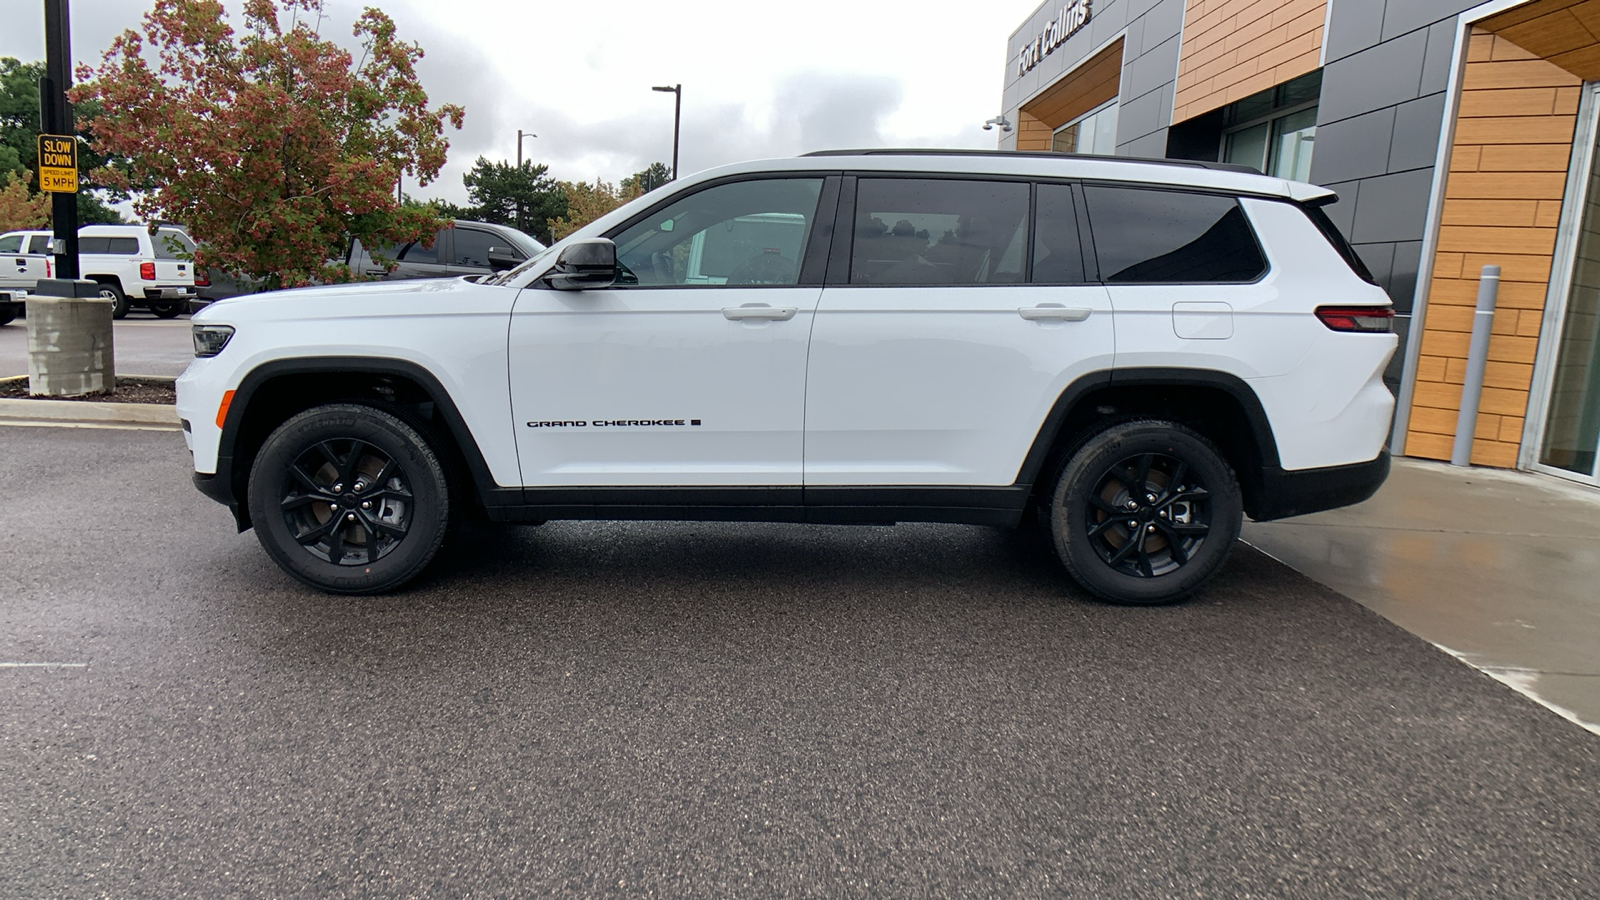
(1502, 204)
(1091, 84)
(1235, 48)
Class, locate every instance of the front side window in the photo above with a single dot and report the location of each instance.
(1144, 236)
(472, 247)
(39, 243)
(744, 233)
(928, 231)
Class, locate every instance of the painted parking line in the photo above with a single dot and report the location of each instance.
(43, 665)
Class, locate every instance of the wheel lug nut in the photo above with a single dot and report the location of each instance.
(1150, 498)
(1132, 524)
(338, 489)
(1132, 505)
(366, 504)
(351, 517)
(1150, 528)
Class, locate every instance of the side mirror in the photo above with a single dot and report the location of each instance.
(501, 259)
(585, 264)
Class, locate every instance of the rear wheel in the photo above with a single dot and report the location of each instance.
(166, 309)
(1145, 512)
(120, 304)
(349, 499)
(6, 315)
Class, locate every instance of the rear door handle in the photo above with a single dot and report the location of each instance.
(1054, 312)
(762, 311)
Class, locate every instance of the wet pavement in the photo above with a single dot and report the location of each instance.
(1501, 569)
(142, 344)
(681, 709)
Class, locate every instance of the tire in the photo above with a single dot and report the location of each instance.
(6, 315)
(165, 309)
(1177, 539)
(114, 293)
(324, 464)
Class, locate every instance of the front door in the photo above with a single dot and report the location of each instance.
(690, 371)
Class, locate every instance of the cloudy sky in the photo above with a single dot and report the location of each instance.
(759, 78)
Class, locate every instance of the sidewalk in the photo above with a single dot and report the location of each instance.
(1500, 569)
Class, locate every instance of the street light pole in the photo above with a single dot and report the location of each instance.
(56, 118)
(521, 136)
(677, 118)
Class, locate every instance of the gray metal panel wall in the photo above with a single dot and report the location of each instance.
(1387, 64)
(1149, 66)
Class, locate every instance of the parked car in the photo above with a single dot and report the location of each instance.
(461, 248)
(23, 262)
(133, 266)
(1132, 354)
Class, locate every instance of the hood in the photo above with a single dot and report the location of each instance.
(335, 300)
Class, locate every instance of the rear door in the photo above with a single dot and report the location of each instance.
(170, 246)
(949, 326)
(417, 260)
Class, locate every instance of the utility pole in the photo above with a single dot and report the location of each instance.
(677, 118)
(55, 117)
(521, 135)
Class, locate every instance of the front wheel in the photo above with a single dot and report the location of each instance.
(1145, 512)
(349, 499)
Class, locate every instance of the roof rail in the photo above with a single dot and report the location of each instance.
(1039, 154)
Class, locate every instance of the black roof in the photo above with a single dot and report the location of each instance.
(1038, 154)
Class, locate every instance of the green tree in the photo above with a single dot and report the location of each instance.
(587, 202)
(19, 142)
(526, 198)
(275, 147)
(648, 179)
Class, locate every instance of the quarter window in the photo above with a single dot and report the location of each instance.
(925, 231)
(1167, 237)
(744, 233)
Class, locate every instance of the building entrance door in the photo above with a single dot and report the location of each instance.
(1570, 442)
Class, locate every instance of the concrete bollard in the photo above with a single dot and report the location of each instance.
(69, 340)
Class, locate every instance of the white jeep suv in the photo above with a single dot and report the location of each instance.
(1134, 353)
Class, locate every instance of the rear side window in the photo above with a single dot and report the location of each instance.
(116, 246)
(11, 244)
(1144, 236)
(1057, 254)
(416, 253)
(916, 231)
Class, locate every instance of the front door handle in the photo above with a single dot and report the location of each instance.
(760, 311)
(1054, 312)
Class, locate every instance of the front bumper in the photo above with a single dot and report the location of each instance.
(1280, 493)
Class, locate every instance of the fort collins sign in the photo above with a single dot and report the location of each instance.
(1067, 22)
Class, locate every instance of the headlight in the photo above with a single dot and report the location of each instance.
(210, 339)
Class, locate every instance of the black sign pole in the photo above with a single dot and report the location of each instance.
(56, 118)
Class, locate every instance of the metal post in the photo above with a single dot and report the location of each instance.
(55, 117)
(677, 119)
(1477, 361)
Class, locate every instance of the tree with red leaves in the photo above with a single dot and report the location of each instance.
(274, 147)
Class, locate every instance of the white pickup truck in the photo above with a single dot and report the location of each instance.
(132, 266)
(22, 263)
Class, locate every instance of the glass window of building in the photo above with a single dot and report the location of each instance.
(1275, 131)
(1092, 132)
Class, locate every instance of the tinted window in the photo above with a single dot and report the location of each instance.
(1166, 237)
(94, 245)
(938, 231)
(744, 233)
(416, 253)
(472, 247)
(39, 243)
(1057, 255)
(117, 246)
(171, 243)
(11, 244)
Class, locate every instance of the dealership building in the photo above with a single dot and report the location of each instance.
(1458, 135)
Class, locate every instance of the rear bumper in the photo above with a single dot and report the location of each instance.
(1282, 493)
(169, 293)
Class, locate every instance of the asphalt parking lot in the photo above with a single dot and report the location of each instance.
(683, 710)
(143, 344)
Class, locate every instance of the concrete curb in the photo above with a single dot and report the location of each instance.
(91, 411)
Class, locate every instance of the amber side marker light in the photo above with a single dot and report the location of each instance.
(1363, 319)
(222, 408)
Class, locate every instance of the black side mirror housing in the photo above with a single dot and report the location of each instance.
(585, 264)
(501, 259)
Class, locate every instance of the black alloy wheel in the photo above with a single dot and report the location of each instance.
(1145, 512)
(347, 502)
(350, 499)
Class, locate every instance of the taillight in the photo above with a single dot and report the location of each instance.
(1365, 319)
(147, 271)
(202, 278)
